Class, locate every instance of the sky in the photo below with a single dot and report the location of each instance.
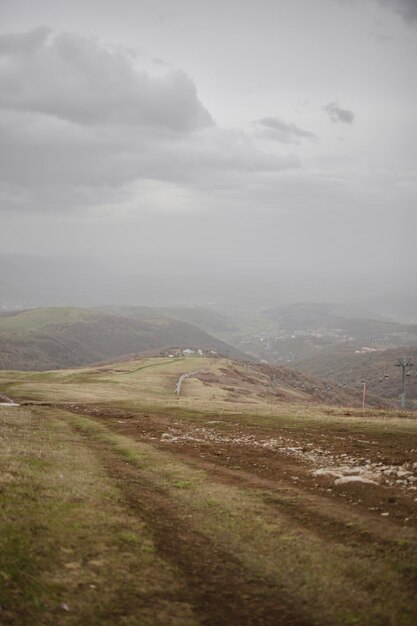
(268, 136)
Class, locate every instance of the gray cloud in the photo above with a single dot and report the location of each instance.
(276, 129)
(406, 8)
(37, 151)
(81, 127)
(79, 80)
(337, 114)
(50, 164)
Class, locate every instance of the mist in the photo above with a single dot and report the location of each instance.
(181, 153)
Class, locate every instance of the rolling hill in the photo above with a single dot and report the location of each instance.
(43, 339)
(207, 319)
(217, 384)
(376, 367)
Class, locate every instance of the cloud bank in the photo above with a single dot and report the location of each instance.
(81, 81)
(80, 122)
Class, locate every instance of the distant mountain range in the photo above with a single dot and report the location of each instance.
(43, 339)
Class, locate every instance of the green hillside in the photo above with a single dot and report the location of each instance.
(38, 319)
(206, 319)
(43, 339)
(217, 384)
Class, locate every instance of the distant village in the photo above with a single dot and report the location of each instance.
(178, 352)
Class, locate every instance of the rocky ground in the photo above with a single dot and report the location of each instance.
(374, 467)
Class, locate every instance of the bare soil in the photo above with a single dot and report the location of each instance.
(255, 456)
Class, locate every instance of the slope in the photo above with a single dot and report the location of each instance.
(207, 319)
(217, 385)
(376, 367)
(43, 339)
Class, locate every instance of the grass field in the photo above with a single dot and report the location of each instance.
(123, 504)
(226, 386)
(37, 319)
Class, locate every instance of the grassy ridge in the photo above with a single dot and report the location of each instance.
(222, 385)
(206, 319)
(37, 319)
(44, 339)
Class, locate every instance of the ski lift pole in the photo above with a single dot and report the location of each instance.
(363, 393)
(404, 363)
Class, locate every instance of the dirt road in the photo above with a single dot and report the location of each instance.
(307, 525)
(180, 518)
(376, 470)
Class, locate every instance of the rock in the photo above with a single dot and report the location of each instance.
(354, 479)
(402, 473)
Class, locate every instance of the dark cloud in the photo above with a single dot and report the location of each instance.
(276, 129)
(78, 79)
(65, 167)
(81, 126)
(337, 114)
(406, 8)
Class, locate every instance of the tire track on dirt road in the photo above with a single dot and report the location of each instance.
(219, 588)
(233, 533)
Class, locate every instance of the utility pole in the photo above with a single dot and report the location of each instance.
(246, 372)
(404, 363)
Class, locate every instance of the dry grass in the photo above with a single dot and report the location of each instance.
(150, 382)
(70, 552)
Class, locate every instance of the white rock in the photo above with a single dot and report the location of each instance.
(354, 479)
(326, 471)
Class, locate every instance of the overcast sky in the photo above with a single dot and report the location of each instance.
(262, 134)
